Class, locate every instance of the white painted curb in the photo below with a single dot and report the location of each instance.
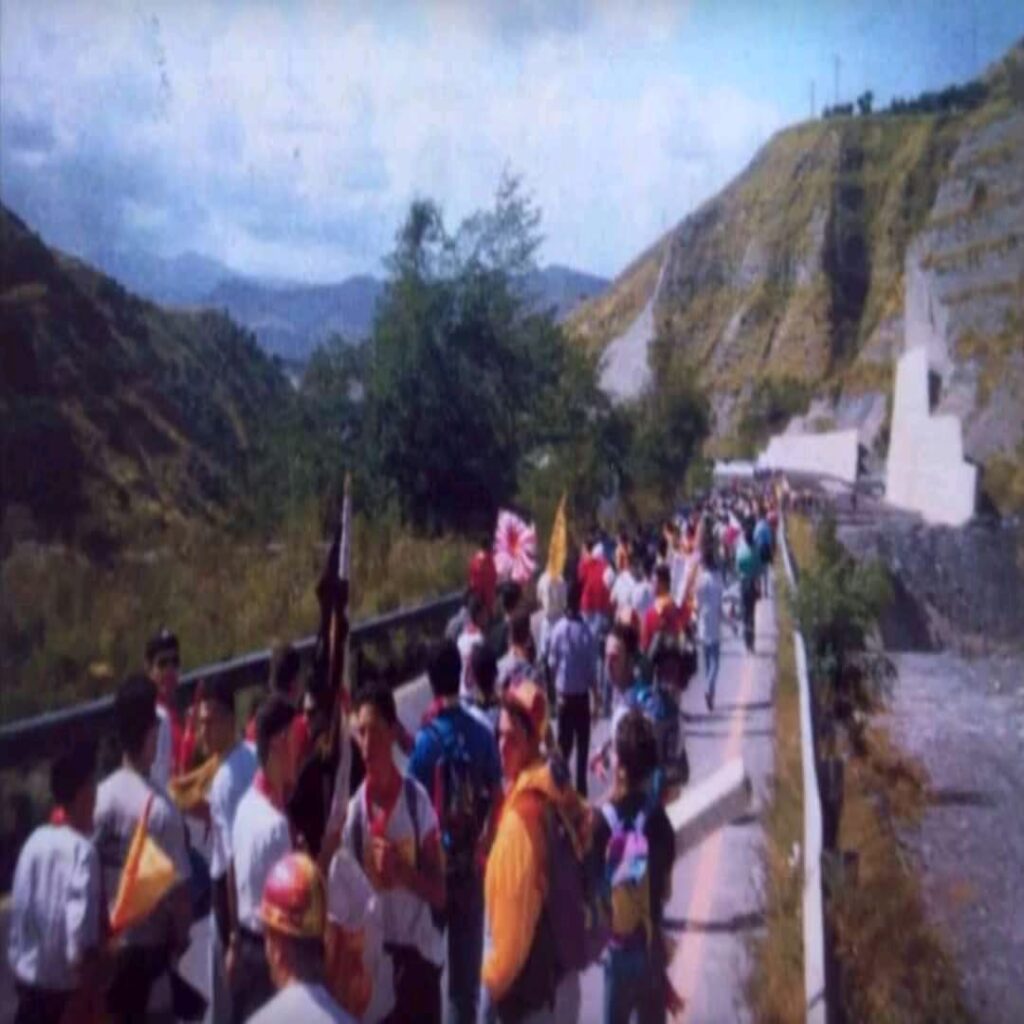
(813, 901)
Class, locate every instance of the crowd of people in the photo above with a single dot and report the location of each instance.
(475, 882)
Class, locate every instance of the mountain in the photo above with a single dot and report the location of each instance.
(182, 280)
(116, 413)
(845, 241)
(291, 320)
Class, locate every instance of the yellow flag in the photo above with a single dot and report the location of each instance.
(146, 877)
(188, 791)
(557, 549)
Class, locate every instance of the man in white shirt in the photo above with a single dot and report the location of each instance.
(149, 949)
(260, 837)
(163, 664)
(218, 736)
(54, 937)
(708, 593)
(292, 916)
(393, 833)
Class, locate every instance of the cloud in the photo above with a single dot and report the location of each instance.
(288, 139)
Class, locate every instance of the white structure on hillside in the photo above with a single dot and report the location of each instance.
(926, 471)
(832, 454)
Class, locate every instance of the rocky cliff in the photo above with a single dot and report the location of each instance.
(844, 241)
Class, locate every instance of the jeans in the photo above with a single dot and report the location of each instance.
(632, 984)
(598, 625)
(465, 948)
(712, 655)
(574, 729)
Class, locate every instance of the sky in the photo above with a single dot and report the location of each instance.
(287, 138)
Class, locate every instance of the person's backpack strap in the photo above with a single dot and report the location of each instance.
(358, 823)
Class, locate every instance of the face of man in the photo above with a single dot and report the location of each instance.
(215, 727)
(516, 747)
(163, 670)
(281, 759)
(375, 737)
(617, 662)
(83, 807)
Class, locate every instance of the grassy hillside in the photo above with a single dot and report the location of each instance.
(796, 271)
(116, 415)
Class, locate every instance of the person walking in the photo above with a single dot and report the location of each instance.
(393, 833)
(163, 665)
(573, 662)
(748, 568)
(54, 939)
(292, 915)
(523, 976)
(708, 593)
(260, 836)
(517, 664)
(455, 760)
(145, 952)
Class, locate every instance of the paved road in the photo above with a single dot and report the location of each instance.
(715, 903)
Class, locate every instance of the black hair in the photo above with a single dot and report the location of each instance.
(636, 749)
(161, 641)
(574, 597)
(519, 629)
(220, 691)
(273, 717)
(444, 669)
(511, 595)
(71, 771)
(475, 606)
(485, 667)
(662, 574)
(284, 669)
(135, 712)
(380, 697)
(628, 637)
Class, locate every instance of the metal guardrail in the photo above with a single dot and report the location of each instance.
(815, 970)
(32, 739)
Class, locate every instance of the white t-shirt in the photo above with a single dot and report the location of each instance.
(622, 589)
(407, 918)
(259, 839)
(469, 638)
(301, 1003)
(120, 802)
(353, 904)
(642, 597)
(163, 763)
(709, 607)
(55, 907)
(677, 567)
(233, 778)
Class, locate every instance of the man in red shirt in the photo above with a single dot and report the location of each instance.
(664, 616)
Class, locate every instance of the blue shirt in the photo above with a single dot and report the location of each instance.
(480, 742)
(572, 656)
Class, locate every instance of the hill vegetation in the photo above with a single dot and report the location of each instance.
(800, 279)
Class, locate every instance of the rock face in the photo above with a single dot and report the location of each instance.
(961, 589)
(845, 242)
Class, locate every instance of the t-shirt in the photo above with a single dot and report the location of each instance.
(661, 843)
(622, 590)
(120, 802)
(353, 904)
(709, 607)
(595, 599)
(259, 839)
(163, 762)
(301, 1003)
(642, 597)
(55, 907)
(469, 638)
(233, 778)
(677, 565)
(407, 918)
(480, 743)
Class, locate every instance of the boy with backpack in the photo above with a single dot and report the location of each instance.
(455, 759)
(638, 846)
(541, 903)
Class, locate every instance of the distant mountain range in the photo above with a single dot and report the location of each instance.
(290, 319)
